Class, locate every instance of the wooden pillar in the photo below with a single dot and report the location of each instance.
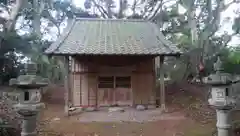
(70, 81)
(66, 85)
(162, 85)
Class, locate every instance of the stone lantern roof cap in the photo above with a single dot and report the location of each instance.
(29, 82)
(220, 78)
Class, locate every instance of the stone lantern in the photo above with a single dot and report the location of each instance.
(221, 97)
(29, 87)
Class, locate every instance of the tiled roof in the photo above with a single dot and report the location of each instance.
(112, 37)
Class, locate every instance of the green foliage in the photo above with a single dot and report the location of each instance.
(15, 47)
(232, 68)
(232, 61)
(234, 57)
(9, 60)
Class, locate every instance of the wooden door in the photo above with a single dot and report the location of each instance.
(105, 90)
(114, 90)
(123, 96)
(106, 96)
(123, 91)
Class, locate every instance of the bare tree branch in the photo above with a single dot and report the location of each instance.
(229, 4)
(48, 15)
(213, 26)
(134, 7)
(5, 8)
(101, 9)
(201, 14)
(156, 11)
(24, 25)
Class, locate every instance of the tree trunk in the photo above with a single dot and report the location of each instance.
(194, 33)
(36, 19)
(10, 24)
(121, 8)
(109, 10)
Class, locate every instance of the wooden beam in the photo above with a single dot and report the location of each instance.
(162, 85)
(96, 90)
(109, 72)
(66, 85)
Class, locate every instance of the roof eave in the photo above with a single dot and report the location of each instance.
(71, 54)
(109, 19)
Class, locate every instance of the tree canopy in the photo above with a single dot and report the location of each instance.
(30, 26)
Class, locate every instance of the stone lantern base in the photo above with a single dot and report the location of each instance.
(29, 114)
(29, 124)
(224, 123)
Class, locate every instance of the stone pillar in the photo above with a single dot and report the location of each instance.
(224, 124)
(152, 101)
(29, 122)
(29, 125)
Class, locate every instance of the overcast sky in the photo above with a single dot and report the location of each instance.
(226, 26)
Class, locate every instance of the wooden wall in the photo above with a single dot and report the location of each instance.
(143, 82)
(85, 70)
(83, 84)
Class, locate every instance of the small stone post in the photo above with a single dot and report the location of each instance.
(221, 98)
(30, 98)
